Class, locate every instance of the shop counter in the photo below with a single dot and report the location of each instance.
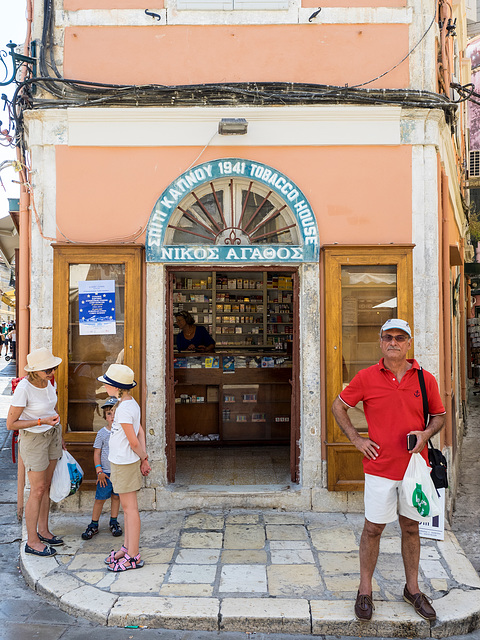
(232, 398)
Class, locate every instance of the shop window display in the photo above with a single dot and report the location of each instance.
(244, 386)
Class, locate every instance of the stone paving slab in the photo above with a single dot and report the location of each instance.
(256, 572)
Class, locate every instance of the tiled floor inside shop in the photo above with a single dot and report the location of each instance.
(201, 465)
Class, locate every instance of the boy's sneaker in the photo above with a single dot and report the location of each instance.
(116, 529)
(89, 532)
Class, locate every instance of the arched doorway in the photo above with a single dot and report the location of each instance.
(220, 229)
(232, 211)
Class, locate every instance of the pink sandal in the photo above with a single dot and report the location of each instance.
(111, 558)
(120, 565)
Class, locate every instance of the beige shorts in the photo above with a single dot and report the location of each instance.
(384, 501)
(38, 449)
(126, 477)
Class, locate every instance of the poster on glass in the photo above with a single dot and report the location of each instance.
(96, 308)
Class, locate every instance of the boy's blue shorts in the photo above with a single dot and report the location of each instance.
(103, 493)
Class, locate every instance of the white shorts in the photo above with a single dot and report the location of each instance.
(384, 500)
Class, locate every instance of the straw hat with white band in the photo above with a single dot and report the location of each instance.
(41, 360)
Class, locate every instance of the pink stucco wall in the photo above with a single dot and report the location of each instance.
(360, 195)
(173, 55)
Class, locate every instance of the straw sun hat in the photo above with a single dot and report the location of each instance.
(119, 376)
(41, 359)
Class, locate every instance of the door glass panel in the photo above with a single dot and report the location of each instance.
(369, 298)
(90, 355)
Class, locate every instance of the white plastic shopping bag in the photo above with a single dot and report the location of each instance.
(418, 488)
(67, 477)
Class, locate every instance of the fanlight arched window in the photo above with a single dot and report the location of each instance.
(232, 211)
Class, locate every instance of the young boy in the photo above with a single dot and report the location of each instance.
(102, 469)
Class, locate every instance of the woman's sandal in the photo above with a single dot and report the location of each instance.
(111, 558)
(120, 565)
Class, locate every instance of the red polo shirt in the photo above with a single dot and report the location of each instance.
(392, 410)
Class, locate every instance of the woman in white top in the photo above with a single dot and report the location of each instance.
(128, 462)
(33, 412)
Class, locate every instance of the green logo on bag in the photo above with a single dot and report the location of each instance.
(420, 501)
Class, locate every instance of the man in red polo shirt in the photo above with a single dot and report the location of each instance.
(392, 401)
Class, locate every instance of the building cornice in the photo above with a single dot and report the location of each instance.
(294, 15)
(322, 125)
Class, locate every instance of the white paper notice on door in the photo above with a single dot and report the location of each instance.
(96, 307)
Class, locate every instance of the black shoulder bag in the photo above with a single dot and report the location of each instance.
(436, 458)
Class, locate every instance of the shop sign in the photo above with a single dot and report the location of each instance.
(96, 307)
(216, 253)
(306, 251)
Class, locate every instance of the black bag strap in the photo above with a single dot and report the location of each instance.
(426, 413)
(423, 389)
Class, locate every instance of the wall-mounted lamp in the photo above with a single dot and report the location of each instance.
(17, 61)
(232, 127)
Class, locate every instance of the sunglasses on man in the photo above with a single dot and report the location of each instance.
(387, 337)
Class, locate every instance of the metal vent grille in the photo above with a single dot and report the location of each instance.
(475, 164)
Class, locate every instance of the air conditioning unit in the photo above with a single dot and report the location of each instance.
(474, 167)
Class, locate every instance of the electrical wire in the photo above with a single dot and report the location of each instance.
(403, 59)
(201, 152)
(68, 91)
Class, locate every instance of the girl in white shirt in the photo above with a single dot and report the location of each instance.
(128, 461)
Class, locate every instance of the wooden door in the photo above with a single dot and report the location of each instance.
(364, 286)
(87, 352)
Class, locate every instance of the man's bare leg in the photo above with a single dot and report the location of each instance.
(410, 552)
(369, 549)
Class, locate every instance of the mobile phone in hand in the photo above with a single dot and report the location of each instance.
(411, 441)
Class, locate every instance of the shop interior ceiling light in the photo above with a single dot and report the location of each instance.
(232, 127)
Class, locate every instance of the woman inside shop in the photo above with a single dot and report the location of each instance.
(192, 337)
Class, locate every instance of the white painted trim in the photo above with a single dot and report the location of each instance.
(358, 15)
(447, 153)
(422, 60)
(430, 128)
(197, 126)
(173, 16)
(233, 5)
(156, 402)
(41, 279)
(426, 278)
(310, 377)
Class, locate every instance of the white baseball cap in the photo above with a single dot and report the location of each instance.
(397, 323)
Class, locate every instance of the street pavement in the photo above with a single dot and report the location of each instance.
(233, 575)
(466, 521)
